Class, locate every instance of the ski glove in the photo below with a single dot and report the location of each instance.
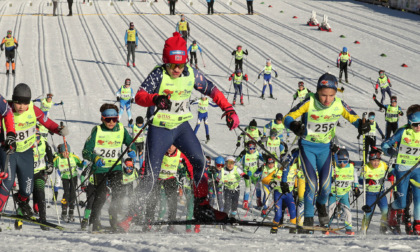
(392, 152)
(374, 96)
(277, 75)
(356, 192)
(61, 103)
(391, 178)
(390, 85)
(132, 100)
(364, 127)
(50, 168)
(338, 66)
(245, 176)
(99, 162)
(250, 173)
(232, 119)
(334, 148)
(238, 144)
(273, 184)
(284, 187)
(350, 64)
(64, 131)
(298, 128)
(162, 102)
(259, 76)
(118, 98)
(10, 143)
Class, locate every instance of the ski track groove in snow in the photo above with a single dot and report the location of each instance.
(361, 63)
(41, 51)
(100, 62)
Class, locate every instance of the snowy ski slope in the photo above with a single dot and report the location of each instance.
(81, 60)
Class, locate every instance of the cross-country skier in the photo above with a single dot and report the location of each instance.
(276, 124)
(374, 174)
(193, 53)
(370, 138)
(125, 96)
(250, 159)
(141, 139)
(252, 130)
(215, 190)
(131, 39)
(21, 162)
(238, 77)
(392, 114)
(239, 55)
(102, 148)
(69, 179)
(267, 77)
(343, 60)
(343, 176)
(407, 154)
(170, 125)
(302, 92)
(230, 178)
(130, 175)
(385, 84)
(11, 46)
(274, 144)
(183, 27)
(46, 103)
(203, 105)
(320, 113)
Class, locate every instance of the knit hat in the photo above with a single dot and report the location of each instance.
(253, 123)
(62, 148)
(139, 120)
(175, 50)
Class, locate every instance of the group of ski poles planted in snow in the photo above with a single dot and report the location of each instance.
(317, 176)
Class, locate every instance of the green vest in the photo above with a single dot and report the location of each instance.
(46, 106)
(302, 94)
(141, 137)
(129, 178)
(273, 145)
(267, 69)
(409, 150)
(321, 123)
(253, 133)
(344, 57)
(194, 48)
(169, 165)
(383, 82)
(391, 114)
(108, 145)
(377, 174)
(181, 88)
(251, 162)
(125, 93)
(372, 131)
(231, 179)
(238, 79)
(63, 166)
(343, 179)
(39, 157)
(203, 105)
(25, 126)
(239, 55)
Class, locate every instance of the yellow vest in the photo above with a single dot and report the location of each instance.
(383, 82)
(239, 55)
(108, 144)
(180, 110)
(136, 130)
(39, 157)
(372, 131)
(46, 106)
(131, 35)
(63, 166)
(25, 125)
(377, 174)
(302, 94)
(343, 179)
(182, 25)
(273, 145)
(238, 79)
(321, 123)
(194, 48)
(9, 42)
(251, 162)
(125, 93)
(344, 57)
(203, 106)
(409, 150)
(129, 178)
(231, 179)
(169, 165)
(391, 114)
(267, 69)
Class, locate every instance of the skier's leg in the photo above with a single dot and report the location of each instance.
(347, 211)
(171, 186)
(206, 125)
(7, 184)
(416, 195)
(197, 126)
(235, 201)
(278, 207)
(383, 95)
(115, 183)
(308, 161)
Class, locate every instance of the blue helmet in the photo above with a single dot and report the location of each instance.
(343, 154)
(238, 71)
(219, 160)
(327, 81)
(344, 49)
(414, 117)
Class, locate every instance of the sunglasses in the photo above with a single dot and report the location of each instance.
(416, 124)
(109, 119)
(375, 156)
(253, 127)
(173, 65)
(342, 161)
(371, 118)
(220, 165)
(252, 148)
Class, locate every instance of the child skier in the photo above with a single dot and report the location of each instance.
(203, 105)
(343, 60)
(125, 96)
(239, 55)
(87, 186)
(267, 77)
(385, 84)
(392, 113)
(46, 103)
(302, 92)
(320, 113)
(252, 130)
(237, 84)
(274, 144)
(141, 139)
(276, 124)
(193, 53)
(370, 138)
(216, 190)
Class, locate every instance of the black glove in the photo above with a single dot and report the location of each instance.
(342, 89)
(264, 139)
(364, 127)
(162, 102)
(10, 143)
(259, 76)
(358, 137)
(374, 96)
(294, 98)
(246, 51)
(273, 184)
(297, 127)
(277, 75)
(390, 85)
(334, 148)
(350, 64)
(61, 103)
(49, 169)
(2, 48)
(132, 100)
(284, 187)
(118, 99)
(338, 66)
(376, 92)
(392, 152)
(245, 176)
(356, 192)
(238, 144)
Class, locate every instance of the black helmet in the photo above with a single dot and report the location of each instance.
(343, 154)
(253, 123)
(139, 120)
(22, 94)
(279, 116)
(194, 42)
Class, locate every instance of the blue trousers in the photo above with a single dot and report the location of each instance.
(158, 142)
(383, 203)
(127, 105)
(387, 90)
(202, 117)
(284, 199)
(400, 201)
(238, 90)
(315, 158)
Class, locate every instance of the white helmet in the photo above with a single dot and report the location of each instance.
(229, 158)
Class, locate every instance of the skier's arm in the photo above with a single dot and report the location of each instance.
(380, 105)
(296, 95)
(234, 52)
(350, 59)
(48, 123)
(189, 166)
(137, 38)
(118, 94)
(400, 111)
(177, 27)
(267, 126)
(396, 138)
(356, 179)
(214, 105)
(188, 28)
(36, 100)
(49, 157)
(89, 146)
(149, 88)
(296, 112)
(199, 48)
(7, 115)
(338, 59)
(128, 140)
(79, 162)
(377, 84)
(380, 131)
(189, 49)
(125, 37)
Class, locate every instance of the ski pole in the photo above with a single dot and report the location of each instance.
(230, 64)
(291, 106)
(204, 64)
(247, 90)
(72, 185)
(371, 82)
(55, 201)
(351, 71)
(64, 113)
(229, 89)
(357, 216)
(364, 167)
(20, 60)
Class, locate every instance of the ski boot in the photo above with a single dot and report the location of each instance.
(7, 72)
(18, 224)
(130, 122)
(407, 223)
(245, 205)
(84, 224)
(43, 220)
(147, 227)
(23, 203)
(64, 214)
(208, 138)
(197, 229)
(271, 96)
(188, 230)
(128, 64)
(134, 64)
(416, 227)
(242, 100)
(275, 228)
(347, 80)
(36, 209)
(383, 229)
(349, 232)
(393, 219)
(340, 80)
(259, 203)
(13, 72)
(307, 222)
(204, 212)
(233, 215)
(71, 216)
(262, 96)
(323, 216)
(234, 103)
(171, 229)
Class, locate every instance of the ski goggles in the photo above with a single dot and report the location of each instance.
(375, 155)
(381, 74)
(109, 119)
(300, 84)
(251, 148)
(393, 100)
(270, 161)
(371, 117)
(221, 165)
(414, 119)
(173, 65)
(230, 162)
(252, 127)
(342, 162)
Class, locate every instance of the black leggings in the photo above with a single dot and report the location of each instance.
(210, 7)
(69, 192)
(39, 193)
(250, 7)
(193, 55)
(170, 186)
